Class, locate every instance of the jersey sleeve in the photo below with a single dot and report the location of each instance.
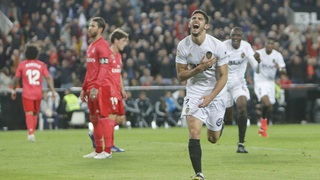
(281, 62)
(180, 57)
(104, 55)
(45, 71)
(221, 53)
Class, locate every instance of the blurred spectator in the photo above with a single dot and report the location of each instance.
(48, 109)
(5, 78)
(69, 104)
(145, 107)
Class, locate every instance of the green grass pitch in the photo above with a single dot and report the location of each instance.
(290, 152)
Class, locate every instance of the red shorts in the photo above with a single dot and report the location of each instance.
(100, 105)
(117, 107)
(31, 105)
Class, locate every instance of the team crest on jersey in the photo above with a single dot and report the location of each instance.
(189, 55)
(219, 122)
(93, 49)
(178, 53)
(242, 55)
(273, 60)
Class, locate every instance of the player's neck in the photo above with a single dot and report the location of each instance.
(114, 49)
(96, 38)
(268, 52)
(198, 39)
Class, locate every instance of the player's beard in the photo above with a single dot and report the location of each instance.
(196, 34)
(93, 34)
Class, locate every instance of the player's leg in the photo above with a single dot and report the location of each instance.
(97, 126)
(242, 122)
(266, 111)
(228, 117)
(195, 152)
(36, 112)
(28, 107)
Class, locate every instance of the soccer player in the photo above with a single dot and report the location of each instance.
(31, 71)
(202, 60)
(239, 52)
(98, 89)
(119, 40)
(264, 82)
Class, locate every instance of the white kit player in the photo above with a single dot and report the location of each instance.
(264, 82)
(200, 59)
(239, 53)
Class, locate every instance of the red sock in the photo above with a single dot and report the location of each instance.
(264, 123)
(35, 122)
(109, 129)
(29, 122)
(97, 133)
(113, 123)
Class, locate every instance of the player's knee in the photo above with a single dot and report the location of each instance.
(213, 140)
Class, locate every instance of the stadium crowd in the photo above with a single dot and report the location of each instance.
(155, 27)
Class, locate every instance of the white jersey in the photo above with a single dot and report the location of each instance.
(238, 60)
(268, 69)
(190, 53)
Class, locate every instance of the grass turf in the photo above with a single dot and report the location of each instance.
(290, 152)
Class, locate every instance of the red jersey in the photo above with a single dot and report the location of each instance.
(98, 70)
(116, 67)
(31, 72)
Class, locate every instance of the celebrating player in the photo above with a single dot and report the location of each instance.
(239, 52)
(264, 82)
(200, 60)
(31, 71)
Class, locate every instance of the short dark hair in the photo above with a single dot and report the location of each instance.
(199, 11)
(118, 34)
(100, 21)
(32, 51)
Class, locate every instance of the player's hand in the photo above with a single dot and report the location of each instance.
(13, 94)
(93, 94)
(206, 63)
(53, 96)
(205, 101)
(83, 96)
(124, 95)
(257, 57)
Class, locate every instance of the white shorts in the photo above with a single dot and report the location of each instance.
(265, 89)
(234, 93)
(212, 115)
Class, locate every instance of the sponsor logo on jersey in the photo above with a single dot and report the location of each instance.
(90, 59)
(116, 70)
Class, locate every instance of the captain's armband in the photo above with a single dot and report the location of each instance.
(104, 60)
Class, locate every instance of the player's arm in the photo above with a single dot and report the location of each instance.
(84, 89)
(184, 73)
(14, 86)
(123, 92)
(104, 52)
(50, 83)
(255, 62)
(221, 82)
(248, 75)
